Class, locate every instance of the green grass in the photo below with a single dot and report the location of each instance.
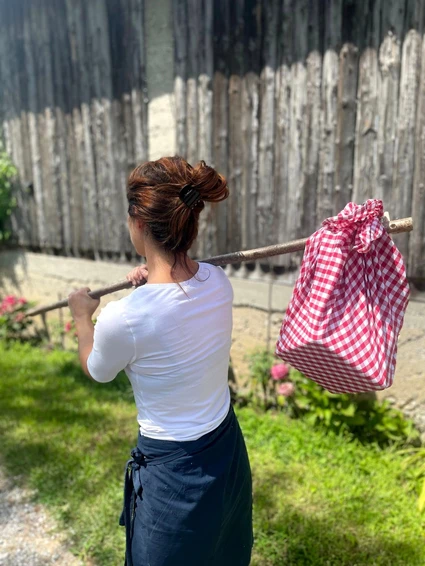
(318, 499)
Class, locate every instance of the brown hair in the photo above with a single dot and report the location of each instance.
(153, 196)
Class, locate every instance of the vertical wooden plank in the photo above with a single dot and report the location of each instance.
(62, 73)
(124, 45)
(10, 125)
(207, 242)
(389, 84)
(121, 47)
(250, 124)
(84, 188)
(95, 27)
(194, 45)
(41, 31)
(221, 31)
(235, 62)
(415, 14)
(282, 131)
(26, 199)
(328, 123)
(297, 124)
(28, 229)
(266, 188)
(8, 86)
(312, 144)
(138, 80)
(180, 68)
(33, 130)
(366, 146)
(104, 126)
(81, 220)
(346, 126)
(416, 257)
(129, 108)
(205, 94)
(103, 122)
(130, 160)
(405, 156)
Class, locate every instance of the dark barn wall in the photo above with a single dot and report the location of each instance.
(303, 104)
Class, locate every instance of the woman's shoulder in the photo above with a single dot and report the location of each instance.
(206, 269)
(215, 277)
(111, 309)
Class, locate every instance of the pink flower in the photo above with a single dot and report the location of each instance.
(22, 301)
(279, 371)
(19, 317)
(8, 303)
(68, 327)
(286, 389)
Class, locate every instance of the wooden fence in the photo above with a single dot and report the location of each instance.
(303, 104)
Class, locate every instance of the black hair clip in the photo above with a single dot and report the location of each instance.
(190, 196)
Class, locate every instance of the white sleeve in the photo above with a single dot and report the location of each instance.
(113, 344)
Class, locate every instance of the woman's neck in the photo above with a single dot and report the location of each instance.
(160, 267)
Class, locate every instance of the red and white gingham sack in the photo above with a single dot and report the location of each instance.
(343, 321)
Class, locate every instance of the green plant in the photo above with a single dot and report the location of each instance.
(14, 324)
(260, 362)
(7, 201)
(362, 417)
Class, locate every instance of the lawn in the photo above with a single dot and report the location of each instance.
(318, 499)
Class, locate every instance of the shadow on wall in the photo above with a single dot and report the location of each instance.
(62, 55)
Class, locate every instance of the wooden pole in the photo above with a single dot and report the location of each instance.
(392, 227)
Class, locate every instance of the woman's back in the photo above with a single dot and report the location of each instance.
(174, 343)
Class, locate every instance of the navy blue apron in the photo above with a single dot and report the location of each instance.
(189, 503)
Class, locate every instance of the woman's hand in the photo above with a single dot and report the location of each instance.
(139, 275)
(81, 304)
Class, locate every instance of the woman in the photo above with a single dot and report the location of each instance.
(188, 484)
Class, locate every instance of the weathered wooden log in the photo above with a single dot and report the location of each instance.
(392, 227)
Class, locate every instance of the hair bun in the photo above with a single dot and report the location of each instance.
(211, 185)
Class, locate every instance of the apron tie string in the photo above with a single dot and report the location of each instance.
(132, 488)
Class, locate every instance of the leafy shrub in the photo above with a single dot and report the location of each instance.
(366, 419)
(7, 201)
(14, 325)
(363, 417)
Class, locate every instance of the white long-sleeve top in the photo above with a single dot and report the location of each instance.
(173, 341)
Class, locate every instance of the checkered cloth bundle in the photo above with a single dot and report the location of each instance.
(343, 321)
